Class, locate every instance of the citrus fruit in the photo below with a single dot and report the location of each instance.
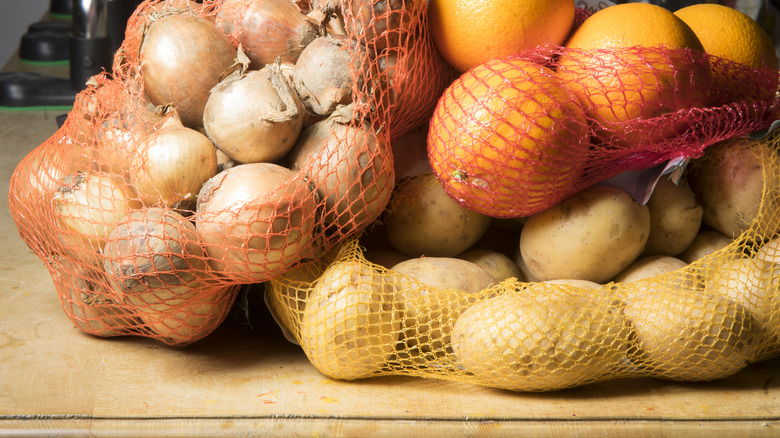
(635, 61)
(732, 35)
(506, 139)
(470, 32)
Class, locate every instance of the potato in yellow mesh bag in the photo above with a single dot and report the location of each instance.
(542, 338)
(682, 334)
(350, 325)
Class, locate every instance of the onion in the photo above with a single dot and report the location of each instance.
(410, 153)
(155, 258)
(256, 220)
(182, 58)
(171, 165)
(155, 263)
(197, 317)
(254, 116)
(267, 29)
(350, 165)
(84, 299)
(378, 24)
(88, 206)
(323, 75)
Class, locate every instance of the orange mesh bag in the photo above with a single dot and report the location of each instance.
(703, 319)
(214, 155)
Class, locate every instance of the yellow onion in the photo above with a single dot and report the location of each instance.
(87, 208)
(170, 166)
(267, 29)
(84, 298)
(155, 263)
(378, 24)
(182, 58)
(254, 116)
(195, 318)
(328, 70)
(256, 221)
(350, 165)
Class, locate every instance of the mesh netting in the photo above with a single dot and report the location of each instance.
(219, 152)
(698, 319)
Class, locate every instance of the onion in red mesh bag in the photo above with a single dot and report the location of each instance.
(323, 75)
(254, 116)
(85, 300)
(88, 207)
(378, 24)
(350, 165)
(267, 29)
(155, 263)
(182, 58)
(257, 220)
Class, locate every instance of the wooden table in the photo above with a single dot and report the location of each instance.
(57, 380)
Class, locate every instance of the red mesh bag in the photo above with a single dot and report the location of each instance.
(214, 156)
(514, 136)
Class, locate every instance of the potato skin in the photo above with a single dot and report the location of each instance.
(675, 218)
(546, 337)
(423, 220)
(729, 182)
(499, 265)
(433, 291)
(649, 266)
(704, 244)
(592, 235)
(685, 336)
(350, 324)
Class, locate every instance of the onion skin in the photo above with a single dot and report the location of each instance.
(256, 221)
(349, 164)
(267, 29)
(323, 74)
(172, 164)
(254, 116)
(182, 58)
(378, 24)
(87, 207)
(84, 298)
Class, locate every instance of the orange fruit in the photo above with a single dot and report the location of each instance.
(729, 33)
(506, 139)
(627, 62)
(732, 35)
(470, 32)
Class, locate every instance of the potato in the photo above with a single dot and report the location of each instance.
(543, 338)
(350, 324)
(495, 263)
(704, 244)
(753, 283)
(433, 291)
(650, 266)
(582, 284)
(689, 337)
(423, 220)
(729, 183)
(592, 235)
(675, 218)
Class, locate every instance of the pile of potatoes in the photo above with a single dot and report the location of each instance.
(599, 286)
